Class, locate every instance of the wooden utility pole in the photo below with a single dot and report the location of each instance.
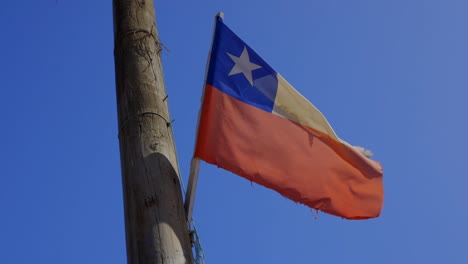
(155, 223)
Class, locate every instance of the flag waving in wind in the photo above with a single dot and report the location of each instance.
(255, 124)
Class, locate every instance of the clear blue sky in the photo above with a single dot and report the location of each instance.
(389, 75)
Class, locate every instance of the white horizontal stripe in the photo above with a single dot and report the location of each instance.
(290, 104)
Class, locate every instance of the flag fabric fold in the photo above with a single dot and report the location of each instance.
(255, 124)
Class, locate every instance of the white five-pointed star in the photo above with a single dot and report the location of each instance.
(243, 65)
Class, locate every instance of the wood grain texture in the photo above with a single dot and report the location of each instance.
(155, 222)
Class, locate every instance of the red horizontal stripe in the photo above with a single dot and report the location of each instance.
(298, 162)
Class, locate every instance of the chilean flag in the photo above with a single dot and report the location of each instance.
(255, 124)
